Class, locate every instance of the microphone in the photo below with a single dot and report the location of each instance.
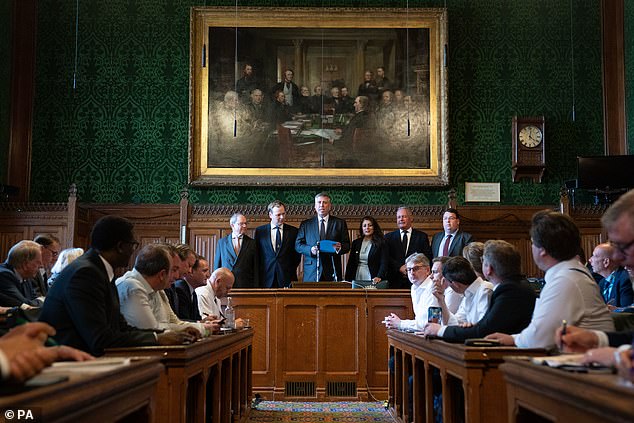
(318, 253)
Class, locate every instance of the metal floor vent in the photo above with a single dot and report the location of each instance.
(300, 389)
(341, 389)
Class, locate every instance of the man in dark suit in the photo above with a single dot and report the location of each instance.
(83, 305)
(23, 262)
(321, 228)
(289, 88)
(401, 244)
(239, 253)
(615, 284)
(184, 300)
(512, 302)
(450, 242)
(276, 244)
(50, 252)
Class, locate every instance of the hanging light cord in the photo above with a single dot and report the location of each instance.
(572, 63)
(76, 44)
(235, 78)
(407, 65)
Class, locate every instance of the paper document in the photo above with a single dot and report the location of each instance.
(328, 134)
(559, 360)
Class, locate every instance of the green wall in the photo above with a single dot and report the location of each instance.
(5, 84)
(122, 135)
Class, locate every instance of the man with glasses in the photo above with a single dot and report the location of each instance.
(570, 293)
(452, 240)
(417, 267)
(50, 252)
(83, 305)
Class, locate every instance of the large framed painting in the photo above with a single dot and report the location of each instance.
(318, 96)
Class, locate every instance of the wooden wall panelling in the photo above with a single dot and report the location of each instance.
(9, 237)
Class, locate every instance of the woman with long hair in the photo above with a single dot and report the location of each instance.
(368, 255)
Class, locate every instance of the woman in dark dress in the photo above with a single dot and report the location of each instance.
(368, 255)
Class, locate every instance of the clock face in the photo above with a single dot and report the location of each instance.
(530, 136)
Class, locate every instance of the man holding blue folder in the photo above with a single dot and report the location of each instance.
(322, 240)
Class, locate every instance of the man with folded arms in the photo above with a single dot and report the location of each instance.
(512, 301)
(83, 305)
(570, 292)
(143, 302)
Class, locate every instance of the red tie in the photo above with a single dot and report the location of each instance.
(445, 248)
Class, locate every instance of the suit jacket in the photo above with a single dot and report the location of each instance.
(359, 120)
(40, 283)
(180, 299)
(419, 243)
(14, 292)
(460, 239)
(377, 260)
(616, 339)
(510, 311)
(308, 236)
(244, 266)
(277, 268)
(280, 86)
(83, 307)
(621, 294)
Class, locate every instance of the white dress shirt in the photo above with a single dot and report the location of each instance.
(570, 295)
(409, 237)
(474, 305)
(422, 299)
(145, 308)
(208, 303)
(274, 235)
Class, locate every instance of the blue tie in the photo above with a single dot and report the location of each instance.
(607, 290)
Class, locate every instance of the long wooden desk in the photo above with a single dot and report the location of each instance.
(211, 377)
(541, 394)
(473, 387)
(126, 393)
(320, 343)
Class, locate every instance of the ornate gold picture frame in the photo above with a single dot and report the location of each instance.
(252, 124)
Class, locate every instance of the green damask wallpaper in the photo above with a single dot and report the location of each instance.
(121, 135)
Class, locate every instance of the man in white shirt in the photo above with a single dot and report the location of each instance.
(570, 292)
(477, 294)
(218, 287)
(142, 301)
(422, 292)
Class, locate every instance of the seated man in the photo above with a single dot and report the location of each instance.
(512, 301)
(615, 284)
(23, 355)
(422, 292)
(184, 301)
(83, 305)
(143, 302)
(218, 287)
(570, 292)
(463, 280)
(23, 263)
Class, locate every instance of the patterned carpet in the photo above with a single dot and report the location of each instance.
(323, 412)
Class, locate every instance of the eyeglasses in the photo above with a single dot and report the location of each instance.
(622, 247)
(414, 269)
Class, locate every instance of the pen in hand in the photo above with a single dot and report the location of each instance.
(563, 332)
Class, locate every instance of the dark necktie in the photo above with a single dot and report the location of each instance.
(322, 229)
(194, 309)
(405, 242)
(607, 290)
(445, 248)
(288, 86)
(278, 240)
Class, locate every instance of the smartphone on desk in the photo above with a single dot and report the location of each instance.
(434, 315)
